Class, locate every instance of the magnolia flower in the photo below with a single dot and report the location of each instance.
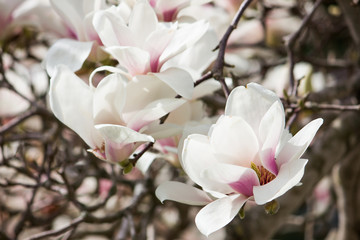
(112, 116)
(82, 39)
(142, 44)
(247, 155)
(167, 10)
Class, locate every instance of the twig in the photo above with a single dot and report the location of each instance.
(60, 231)
(326, 106)
(137, 156)
(290, 43)
(218, 69)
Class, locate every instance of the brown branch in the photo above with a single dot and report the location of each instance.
(218, 68)
(57, 232)
(290, 42)
(332, 107)
(137, 156)
(352, 17)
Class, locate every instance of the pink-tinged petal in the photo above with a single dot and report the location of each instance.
(7, 8)
(89, 30)
(183, 193)
(179, 80)
(270, 132)
(250, 103)
(71, 101)
(233, 140)
(241, 179)
(166, 5)
(184, 38)
(169, 8)
(67, 52)
(297, 145)
(109, 100)
(289, 176)
(112, 29)
(143, 20)
(71, 12)
(197, 156)
(155, 44)
(219, 213)
(135, 60)
(120, 141)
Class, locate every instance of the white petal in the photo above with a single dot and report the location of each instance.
(206, 88)
(71, 12)
(183, 193)
(71, 102)
(185, 37)
(68, 52)
(143, 20)
(145, 161)
(120, 141)
(241, 179)
(297, 145)
(270, 131)
(250, 103)
(142, 91)
(109, 69)
(109, 99)
(289, 175)
(112, 29)
(155, 44)
(219, 213)
(196, 157)
(135, 60)
(153, 111)
(179, 80)
(164, 130)
(234, 141)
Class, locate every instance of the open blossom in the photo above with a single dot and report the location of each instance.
(81, 40)
(142, 44)
(247, 155)
(111, 116)
(167, 10)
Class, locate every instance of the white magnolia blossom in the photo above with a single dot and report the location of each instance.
(247, 155)
(82, 39)
(111, 117)
(167, 10)
(143, 45)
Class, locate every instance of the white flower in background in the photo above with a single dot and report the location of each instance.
(247, 155)
(112, 116)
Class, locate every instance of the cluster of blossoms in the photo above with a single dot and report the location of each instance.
(152, 53)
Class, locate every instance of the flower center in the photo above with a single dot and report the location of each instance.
(264, 175)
